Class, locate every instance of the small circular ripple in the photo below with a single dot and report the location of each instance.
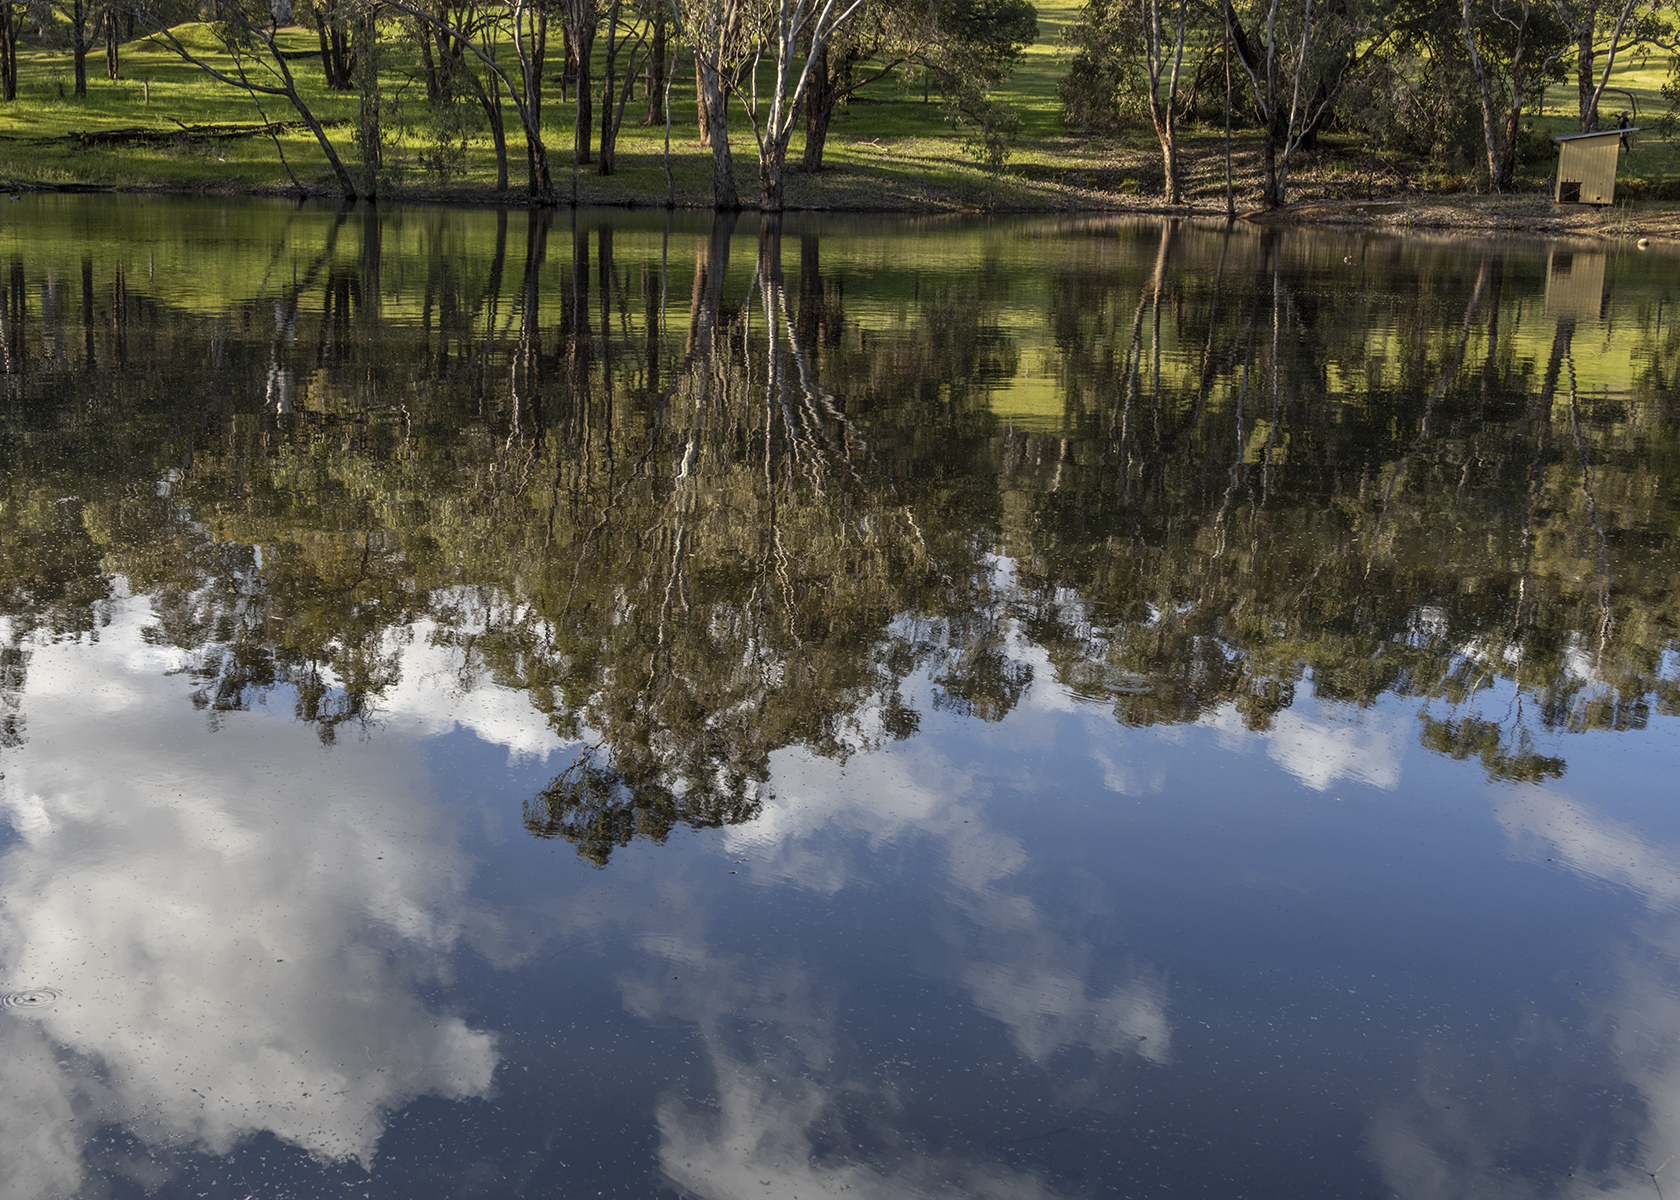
(30, 1000)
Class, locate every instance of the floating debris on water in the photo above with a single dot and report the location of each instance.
(30, 999)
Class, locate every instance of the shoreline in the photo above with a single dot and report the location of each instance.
(1465, 213)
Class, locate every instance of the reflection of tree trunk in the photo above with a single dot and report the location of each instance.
(87, 312)
(651, 324)
(12, 312)
(373, 253)
(1449, 372)
(1490, 362)
(1562, 340)
(493, 285)
(525, 371)
(1151, 291)
(810, 289)
(119, 316)
(578, 345)
(711, 263)
(604, 279)
(1585, 460)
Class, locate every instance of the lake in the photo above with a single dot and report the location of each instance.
(605, 704)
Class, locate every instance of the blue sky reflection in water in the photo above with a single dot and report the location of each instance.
(780, 745)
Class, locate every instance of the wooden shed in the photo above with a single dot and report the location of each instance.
(1587, 166)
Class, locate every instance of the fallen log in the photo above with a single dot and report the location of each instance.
(185, 133)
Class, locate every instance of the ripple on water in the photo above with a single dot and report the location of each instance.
(30, 1000)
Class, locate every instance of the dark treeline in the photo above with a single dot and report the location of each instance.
(704, 494)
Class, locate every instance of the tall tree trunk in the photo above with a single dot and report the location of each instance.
(113, 40)
(1584, 67)
(1269, 191)
(1164, 114)
(657, 66)
(11, 25)
(319, 20)
(703, 117)
(533, 48)
(79, 16)
(491, 98)
(724, 196)
(370, 130)
(1506, 180)
(338, 61)
(581, 37)
(772, 173)
(819, 111)
(609, 87)
(1484, 92)
(289, 90)
(429, 66)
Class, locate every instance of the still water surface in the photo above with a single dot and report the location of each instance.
(503, 706)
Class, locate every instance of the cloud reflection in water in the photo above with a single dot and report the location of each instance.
(239, 924)
(786, 1118)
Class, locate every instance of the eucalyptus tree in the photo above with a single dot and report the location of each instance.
(330, 19)
(964, 47)
(1514, 46)
(13, 15)
(1296, 62)
(713, 30)
(449, 69)
(248, 31)
(1604, 32)
(79, 15)
(627, 33)
(525, 24)
(581, 19)
(794, 33)
(110, 32)
(1128, 54)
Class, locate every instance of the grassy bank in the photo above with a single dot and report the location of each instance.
(889, 150)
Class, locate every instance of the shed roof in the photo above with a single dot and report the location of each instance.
(1602, 133)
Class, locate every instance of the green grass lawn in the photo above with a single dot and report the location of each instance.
(889, 149)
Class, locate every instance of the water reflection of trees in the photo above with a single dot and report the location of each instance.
(674, 490)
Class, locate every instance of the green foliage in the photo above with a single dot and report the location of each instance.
(1099, 93)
